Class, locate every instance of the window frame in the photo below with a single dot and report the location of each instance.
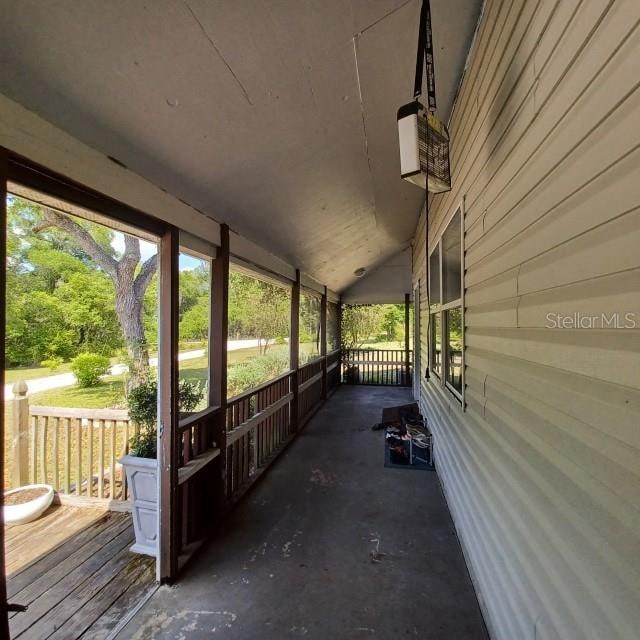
(440, 309)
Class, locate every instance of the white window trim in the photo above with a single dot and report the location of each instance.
(459, 302)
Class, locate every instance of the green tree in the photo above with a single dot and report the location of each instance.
(73, 260)
(258, 309)
(359, 323)
(393, 321)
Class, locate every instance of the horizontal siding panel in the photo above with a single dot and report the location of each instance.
(614, 193)
(507, 125)
(501, 287)
(512, 486)
(616, 297)
(551, 135)
(611, 142)
(611, 355)
(542, 467)
(494, 314)
(612, 409)
(608, 460)
(609, 249)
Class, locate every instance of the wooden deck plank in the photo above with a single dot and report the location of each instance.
(72, 564)
(125, 605)
(75, 602)
(34, 540)
(13, 531)
(19, 532)
(74, 569)
(43, 609)
(89, 620)
(29, 574)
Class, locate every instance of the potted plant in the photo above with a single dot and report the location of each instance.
(141, 464)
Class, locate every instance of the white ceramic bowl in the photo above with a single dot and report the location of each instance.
(28, 511)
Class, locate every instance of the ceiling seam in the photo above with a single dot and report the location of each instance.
(219, 53)
(364, 126)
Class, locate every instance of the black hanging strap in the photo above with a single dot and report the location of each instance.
(425, 52)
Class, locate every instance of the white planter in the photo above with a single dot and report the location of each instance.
(142, 476)
(28, 511)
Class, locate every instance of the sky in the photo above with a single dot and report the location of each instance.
(147, 249)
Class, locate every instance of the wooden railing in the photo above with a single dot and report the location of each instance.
(258, 424)
(309, 389)
(389, 367)
(198, 446)
(333, 369)
(76, 451)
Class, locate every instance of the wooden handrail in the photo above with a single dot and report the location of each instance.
(63, 412)
(200, 416)
(237, 432)
(249, 392)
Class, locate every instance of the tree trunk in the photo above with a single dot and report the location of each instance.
(129, 310)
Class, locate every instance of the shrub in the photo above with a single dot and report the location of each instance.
(88, 367)
(143, 411)
(245, 375)
(53, 363)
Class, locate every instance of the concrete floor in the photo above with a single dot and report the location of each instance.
(295, 558)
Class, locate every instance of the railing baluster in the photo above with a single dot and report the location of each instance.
(90, 457)
(34, 449)
(125, 451)
(56, 469)
(43, 450)
(67, 455)
(79, 456)
(112, 478)
(101, 459)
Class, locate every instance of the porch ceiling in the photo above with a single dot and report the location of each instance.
(275, 117)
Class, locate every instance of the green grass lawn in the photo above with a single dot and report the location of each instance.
(397, 344)
(29, 373)
(110, 393)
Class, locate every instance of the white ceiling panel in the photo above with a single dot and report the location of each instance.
(277, 117)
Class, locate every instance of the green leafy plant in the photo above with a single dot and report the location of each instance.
(88, 367)
(53, 363)
(143, 412)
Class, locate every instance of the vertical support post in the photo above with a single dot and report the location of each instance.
(294, 348)
(4, 613)
(218, 354)
(339, 338)
(168, 406)
(20, 435)
(407, 360)
(323, 342)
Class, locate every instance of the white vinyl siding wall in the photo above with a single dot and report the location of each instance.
(542, 469)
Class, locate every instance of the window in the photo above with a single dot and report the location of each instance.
(445, 307)
(309, 344)
(333, 342)
(195, 302)
(258, 332)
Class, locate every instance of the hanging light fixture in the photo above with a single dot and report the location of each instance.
(424, 140)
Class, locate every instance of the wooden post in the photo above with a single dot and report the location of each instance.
(168, 405)
(218, 354)
(4, 611)
(323, 342)
(20, 435)
(294, 348)
(407, 361)
(339, 338)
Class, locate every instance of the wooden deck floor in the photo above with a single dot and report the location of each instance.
(74, 570)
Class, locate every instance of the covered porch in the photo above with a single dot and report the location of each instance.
(330, 544)
(266, 137)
